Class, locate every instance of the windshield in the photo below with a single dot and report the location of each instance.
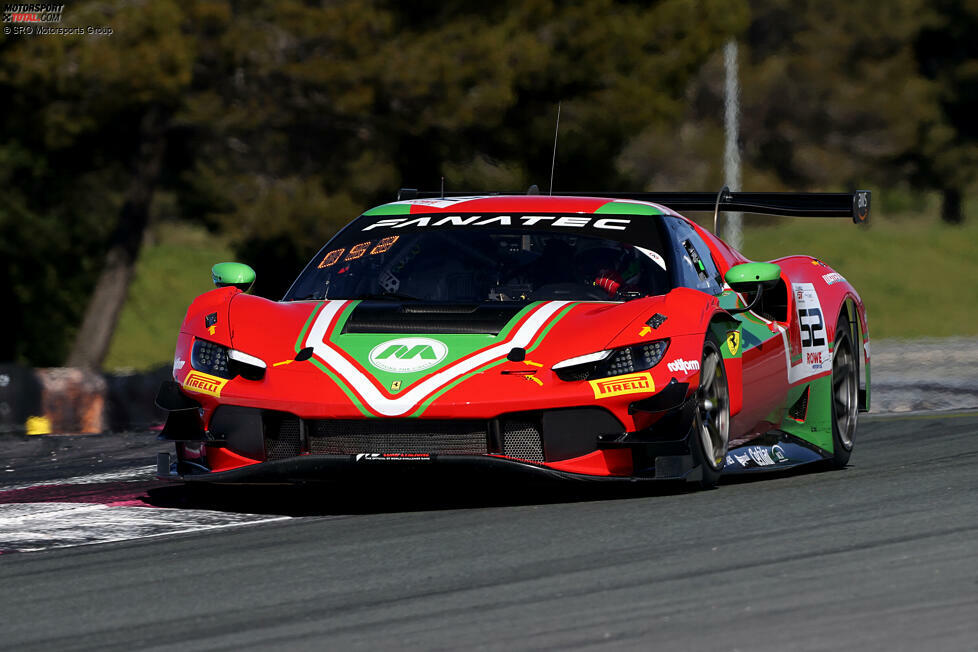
(483, 264)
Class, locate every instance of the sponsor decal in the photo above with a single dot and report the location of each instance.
(204, 383)
(178, 363)
(683, 365)
(392, 457)
(742, 458)
(407, 355)
(778, 453)
(396, 386)
(733, 342)
(620, 385)
(210, 322)
(760, 455)
(573, 221)
(834, 277)
(653, 256)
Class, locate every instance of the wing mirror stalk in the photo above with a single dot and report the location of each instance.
(756, 277)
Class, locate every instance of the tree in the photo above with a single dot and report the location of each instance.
(94, 113)
(947, 52)
(325, 110)
(843, 94)
(278, 121)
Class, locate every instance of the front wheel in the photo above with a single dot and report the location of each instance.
(845, 396)
(711, 427)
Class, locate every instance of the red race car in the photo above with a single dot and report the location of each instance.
(597, 337)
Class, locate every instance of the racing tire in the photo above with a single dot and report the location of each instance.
(845, 395)
(710, 434)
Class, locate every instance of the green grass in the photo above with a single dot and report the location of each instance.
(173, 268)
(916, 275)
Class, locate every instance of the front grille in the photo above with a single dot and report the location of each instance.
(282, 437)
(522, 441)
(433, 436)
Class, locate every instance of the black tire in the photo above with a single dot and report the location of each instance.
(709, 436)
(845, 395)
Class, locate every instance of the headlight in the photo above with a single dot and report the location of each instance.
(220, 361)
(210, 358)
(616, 362)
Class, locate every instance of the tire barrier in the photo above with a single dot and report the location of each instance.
(67, 400)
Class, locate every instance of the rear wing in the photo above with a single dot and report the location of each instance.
(854, 205)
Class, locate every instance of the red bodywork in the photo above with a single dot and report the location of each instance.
(759, 379)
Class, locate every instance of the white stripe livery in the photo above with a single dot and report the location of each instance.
(401, 405)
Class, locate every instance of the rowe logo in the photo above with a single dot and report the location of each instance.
(618, 385)
(204, 383)
(406, 355)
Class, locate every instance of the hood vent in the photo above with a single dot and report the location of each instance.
(432, 318)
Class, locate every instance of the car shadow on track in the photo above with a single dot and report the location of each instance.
(421, 492)
(321, 499)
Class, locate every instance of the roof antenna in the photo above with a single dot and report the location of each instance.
(553, 162)
(443, 187)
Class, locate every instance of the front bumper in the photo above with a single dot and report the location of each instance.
(251, 444)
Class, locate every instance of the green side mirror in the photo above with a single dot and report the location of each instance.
(239, 275)
(747, 276)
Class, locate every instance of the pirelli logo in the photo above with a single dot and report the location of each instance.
(618, 385)
(204, 383)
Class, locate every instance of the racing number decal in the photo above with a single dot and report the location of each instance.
(815, 355)
(812, 327)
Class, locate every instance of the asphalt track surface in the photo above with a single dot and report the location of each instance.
(880, 556)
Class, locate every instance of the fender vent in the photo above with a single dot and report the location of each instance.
(799, 411)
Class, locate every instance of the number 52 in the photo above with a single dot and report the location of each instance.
(811, 324)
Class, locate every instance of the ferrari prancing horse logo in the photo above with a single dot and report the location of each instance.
(733, 342)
